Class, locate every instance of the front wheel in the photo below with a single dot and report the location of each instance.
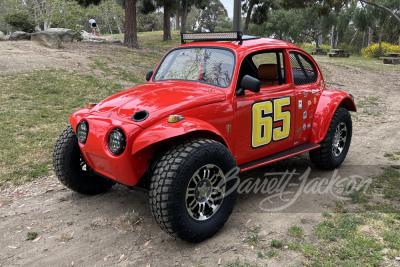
(71, 169)
(336, 143)
(190, 195)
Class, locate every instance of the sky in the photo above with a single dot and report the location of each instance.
(229, 6)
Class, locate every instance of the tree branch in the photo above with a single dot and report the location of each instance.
(381, 7)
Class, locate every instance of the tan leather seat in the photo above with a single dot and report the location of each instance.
(268, 75)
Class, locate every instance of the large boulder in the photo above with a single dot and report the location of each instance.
(93, 39)
(2, 36)
(65, 35)
(114, 41)
(48, 39)
(19, 35)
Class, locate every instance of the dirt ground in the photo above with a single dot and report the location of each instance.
(117, 228)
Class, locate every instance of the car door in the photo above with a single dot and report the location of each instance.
(264, 120)
(307, 89)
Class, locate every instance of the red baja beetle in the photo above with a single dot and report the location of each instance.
(221, 102)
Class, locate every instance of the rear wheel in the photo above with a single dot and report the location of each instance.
(190, 195)
(72, 170)
(336, 143)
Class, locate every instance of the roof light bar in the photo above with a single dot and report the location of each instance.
(212, 36)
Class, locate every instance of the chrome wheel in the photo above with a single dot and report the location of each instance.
(339, 139)
(205, 192)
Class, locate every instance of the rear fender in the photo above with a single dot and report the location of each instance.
(164, 131)
(329, 101)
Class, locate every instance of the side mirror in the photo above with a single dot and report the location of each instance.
(149, 74)
(249, 83)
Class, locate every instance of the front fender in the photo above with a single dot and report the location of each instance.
(329, 101)
(164, 130)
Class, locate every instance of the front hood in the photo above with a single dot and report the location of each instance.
(160, 99)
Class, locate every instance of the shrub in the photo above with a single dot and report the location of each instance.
(21, 20)
(372, 51)
(77, 32)
(308, 46)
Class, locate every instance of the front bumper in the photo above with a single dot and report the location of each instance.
(125, 168)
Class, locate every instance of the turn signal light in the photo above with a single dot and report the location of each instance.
(175, 118)
(91, 105)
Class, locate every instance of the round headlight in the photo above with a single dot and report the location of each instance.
(82, 131)
(116, 141)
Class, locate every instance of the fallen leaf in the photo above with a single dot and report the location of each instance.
(219, 262)
(248, 221)
(121, 258)
(12, 247)
(49, 190)
(147, 243)
(37, 239)
(215, 250)
(2, 203)
(72, 263)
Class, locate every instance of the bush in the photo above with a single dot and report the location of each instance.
(348, 48)
(311, 47)
(21, 20)
(372, 51)
(77, 32)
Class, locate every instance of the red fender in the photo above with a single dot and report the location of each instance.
(329, 101)
(164, 130)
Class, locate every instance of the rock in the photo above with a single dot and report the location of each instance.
(2, 36)
(19, 35)
(48, 39)
(93, 39)
(114, 41)
(65, 35)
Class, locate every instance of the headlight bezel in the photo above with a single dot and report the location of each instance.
(80, 131)
(121, 139)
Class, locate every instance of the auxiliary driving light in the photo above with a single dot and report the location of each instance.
(82, 130)
(116, 141)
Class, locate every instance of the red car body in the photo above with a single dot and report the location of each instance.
(210, 111)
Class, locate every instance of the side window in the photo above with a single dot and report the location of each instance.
(304, 72)
(270, 68)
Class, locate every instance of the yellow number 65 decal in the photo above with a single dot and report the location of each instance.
(264, 114)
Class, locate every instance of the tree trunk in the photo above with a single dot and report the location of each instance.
(370, 35)
(316, 40)
(167, 21)
(247, 22)
(364, 43)
(380, 43)
(130, 37)
(352, 39)
(177, 20)
(184, 15)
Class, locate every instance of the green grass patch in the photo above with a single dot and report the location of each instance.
(35, 108)
(273, 254)
(238, 263)
(276, 243)
(31, 235)
(296, 231)
(252, 238)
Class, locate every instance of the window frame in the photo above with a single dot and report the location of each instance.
(197, 47)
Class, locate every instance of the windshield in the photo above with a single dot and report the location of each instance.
(207, 65)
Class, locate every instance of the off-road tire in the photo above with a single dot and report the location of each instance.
(171, 179)
(68, 162)
(324, 157)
